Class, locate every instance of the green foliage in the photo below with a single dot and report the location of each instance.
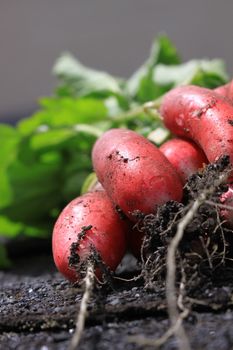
(164, 71)
(4, 260)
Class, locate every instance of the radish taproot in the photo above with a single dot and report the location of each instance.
(135, 174)
(185, 156)
(88, 223)
(201, 115)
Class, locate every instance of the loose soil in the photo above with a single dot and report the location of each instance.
(38, 312)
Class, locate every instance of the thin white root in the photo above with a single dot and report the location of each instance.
(171, 277)
(81, 317)
(223, 206)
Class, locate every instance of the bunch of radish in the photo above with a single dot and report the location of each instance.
(136, 177)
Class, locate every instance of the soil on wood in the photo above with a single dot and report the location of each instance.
(38, 312)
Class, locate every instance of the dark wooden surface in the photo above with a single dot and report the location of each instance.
(38, 309)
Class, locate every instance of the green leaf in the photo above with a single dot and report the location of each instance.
(48, 171)
(34, 189)
(140, 85)
(159, 135)
(163, 51)
(76, 138)
(207, 73)
(9, 140)
(11, 228)
(149, 90)
(4, 260)
(163, 71)
(90, 181)
(58, 112)
(73, 184)
(78, 80)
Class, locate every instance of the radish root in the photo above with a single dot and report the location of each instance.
(81, 317)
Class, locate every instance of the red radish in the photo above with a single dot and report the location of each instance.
(134, 173)
(105, 232)
(185, 156)
(227, 199)
(203, 116)
(226, 90)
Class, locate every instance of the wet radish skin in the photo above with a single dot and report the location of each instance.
(185, 156)
(226, 91)
(201, 115)
(107, 235)
(134, 173)
(227, 198)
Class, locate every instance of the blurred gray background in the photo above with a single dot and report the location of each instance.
(112, 35)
